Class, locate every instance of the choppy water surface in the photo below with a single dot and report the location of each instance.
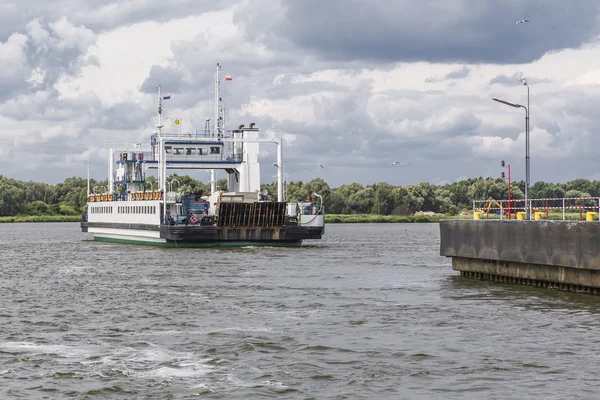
(371, 312)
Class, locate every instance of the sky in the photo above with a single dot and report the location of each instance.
(353, 85)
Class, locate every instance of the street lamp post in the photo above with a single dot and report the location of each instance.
(504, 165)
(515, 105)
(527, 163)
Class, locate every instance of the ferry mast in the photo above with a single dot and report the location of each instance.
(217, 123)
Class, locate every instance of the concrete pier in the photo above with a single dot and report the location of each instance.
(560, 254)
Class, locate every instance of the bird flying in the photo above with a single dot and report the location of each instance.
(395, 162)
(522, 21)
(320, 165)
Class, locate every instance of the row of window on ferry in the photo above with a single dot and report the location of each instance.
(192, 151)
(101, 210)
(136, 210)
(124, 210)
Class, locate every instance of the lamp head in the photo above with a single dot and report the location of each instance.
(508, 103)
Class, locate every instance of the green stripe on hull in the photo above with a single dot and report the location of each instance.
(231, 244)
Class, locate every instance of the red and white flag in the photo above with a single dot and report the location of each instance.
(228, 78)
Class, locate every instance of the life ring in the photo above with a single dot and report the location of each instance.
(193, 220)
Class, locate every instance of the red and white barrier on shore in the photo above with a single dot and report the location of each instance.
(510, 209)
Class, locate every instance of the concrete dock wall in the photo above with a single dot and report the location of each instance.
(538, 252)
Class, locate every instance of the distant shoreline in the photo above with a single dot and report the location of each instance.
(375, 218)
(41, 218)
(329, 219)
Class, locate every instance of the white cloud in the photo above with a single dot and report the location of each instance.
(72, 83)
(14, 57)
(121, 65)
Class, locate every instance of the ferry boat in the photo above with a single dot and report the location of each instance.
(131, 211)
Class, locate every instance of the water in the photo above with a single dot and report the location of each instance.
(371, 312)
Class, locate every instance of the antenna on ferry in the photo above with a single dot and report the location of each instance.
(223, 116)
(216, 121)
(88, 180)
(160, 125)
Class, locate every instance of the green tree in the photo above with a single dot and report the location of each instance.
(37, 207)
(444, 201)
(384, 202)
(12, 197)
(362, 201)
(402, 202)
(580, 185)
(346, 192)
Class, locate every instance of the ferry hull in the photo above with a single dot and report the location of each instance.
(230, 244)
(200, 236)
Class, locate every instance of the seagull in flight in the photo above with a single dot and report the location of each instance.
(320, 165)
(522, 21)
(395, 162)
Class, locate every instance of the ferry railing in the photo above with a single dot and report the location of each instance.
(227, 155)
(311, 209)
(202, 135)
(556, 208)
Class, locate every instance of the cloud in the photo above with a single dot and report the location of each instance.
(13, 74)
(350, 85)
(101, 15)
(169, 78)
(57, 48)
(40, 57)
(515, 80)
(406, 31)
(460, 73)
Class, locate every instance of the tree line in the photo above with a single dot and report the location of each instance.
(69, 197)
